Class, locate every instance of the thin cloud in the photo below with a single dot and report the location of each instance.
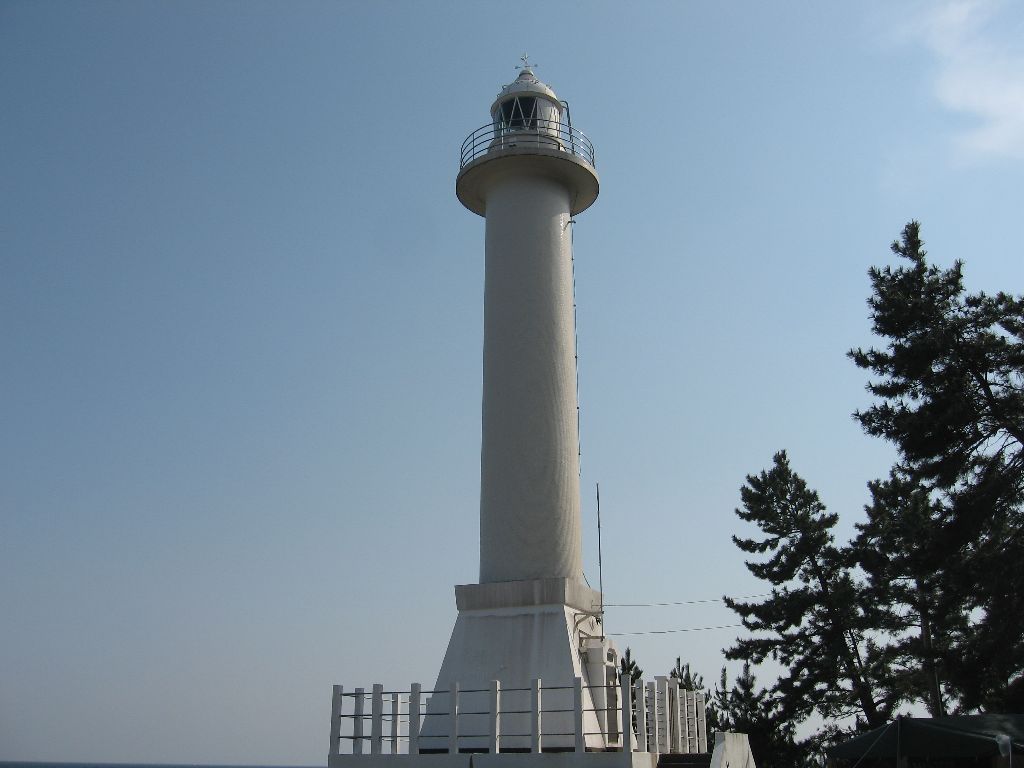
(980, 74)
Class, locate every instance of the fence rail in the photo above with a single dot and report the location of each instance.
(659, 716)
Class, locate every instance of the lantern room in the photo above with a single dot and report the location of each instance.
(526, 104)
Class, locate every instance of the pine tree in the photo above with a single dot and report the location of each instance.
(630, 670)
(629, 667)
(745, 709)
(950, 385)
(813, 622)
(687, 680)
(907, 591)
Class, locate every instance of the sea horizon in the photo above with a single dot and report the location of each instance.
(122, 764)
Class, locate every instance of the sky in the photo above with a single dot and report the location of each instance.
(242, 325)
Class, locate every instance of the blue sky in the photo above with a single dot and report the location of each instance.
(242, 312)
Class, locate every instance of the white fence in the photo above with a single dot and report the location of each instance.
(499, 719)
(675, 721)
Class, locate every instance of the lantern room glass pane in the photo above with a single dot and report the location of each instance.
(519, 113)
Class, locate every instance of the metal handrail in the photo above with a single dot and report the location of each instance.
(533, 132)
(388, 730)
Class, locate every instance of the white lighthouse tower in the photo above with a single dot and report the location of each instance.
(532, 615)
(528, 670)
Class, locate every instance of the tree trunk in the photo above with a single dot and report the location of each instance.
(929, 668)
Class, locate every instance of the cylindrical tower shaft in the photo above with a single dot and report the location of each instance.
(529, 466)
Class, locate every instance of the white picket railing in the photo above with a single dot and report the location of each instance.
(668, 719)
(679, 724)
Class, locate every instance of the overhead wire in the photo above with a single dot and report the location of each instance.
(676, 603)
(672, 631)
(682, 602)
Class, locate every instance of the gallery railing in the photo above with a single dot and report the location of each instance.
(660, 717)
(531, 132)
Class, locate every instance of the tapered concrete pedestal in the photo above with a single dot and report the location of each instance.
(516, 632)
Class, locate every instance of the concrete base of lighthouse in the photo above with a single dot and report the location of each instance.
(516, 632)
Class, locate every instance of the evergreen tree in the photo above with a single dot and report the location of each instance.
(950, 382)
(629, 667)
(687, 680)
(745, 709)
(630, 670)
(813, 622)
(907, 591)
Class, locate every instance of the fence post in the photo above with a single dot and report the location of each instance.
(685, 708)
(577, 712)
(535, 718)
(394, 723)
(357, 723)
(414, 719)
(376, 716)
(495, 729)
(665, 727)
(678, 731)
(694, 722)
(336, 720)
(652, 706)
(626, 713)
(453, 714)
(641, 718)
(698, 718)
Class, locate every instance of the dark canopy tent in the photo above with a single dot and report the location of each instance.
(940, 738)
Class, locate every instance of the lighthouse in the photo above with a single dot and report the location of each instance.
(532, 615)
(528, 669)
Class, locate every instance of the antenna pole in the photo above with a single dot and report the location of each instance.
(600, 570)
